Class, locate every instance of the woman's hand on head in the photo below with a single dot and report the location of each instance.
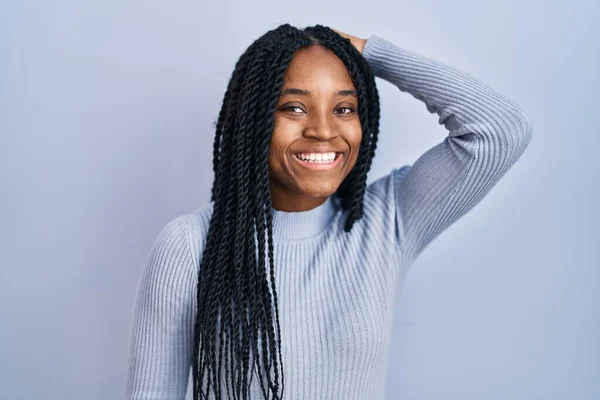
(356, 41)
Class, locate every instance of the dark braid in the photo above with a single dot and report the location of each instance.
(237, 320)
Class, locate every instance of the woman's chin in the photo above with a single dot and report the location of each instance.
(318, 191)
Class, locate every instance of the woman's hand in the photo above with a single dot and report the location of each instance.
(356, 41)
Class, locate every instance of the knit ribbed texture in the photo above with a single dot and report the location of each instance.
(338, 291)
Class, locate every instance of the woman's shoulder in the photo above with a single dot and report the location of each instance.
(198, 222)
(199, 218)
(182, 238)
(194, 222)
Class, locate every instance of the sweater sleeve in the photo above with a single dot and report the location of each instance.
(487, 133)
(161, 340)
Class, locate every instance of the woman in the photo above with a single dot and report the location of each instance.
(294, 142)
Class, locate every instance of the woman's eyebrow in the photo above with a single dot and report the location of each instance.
(304, 92)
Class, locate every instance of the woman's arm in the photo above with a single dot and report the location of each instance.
(161, 342)
(487, 134)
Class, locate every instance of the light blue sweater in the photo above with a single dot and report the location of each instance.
(337, 291)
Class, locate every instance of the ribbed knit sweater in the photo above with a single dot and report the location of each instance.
(337, 291)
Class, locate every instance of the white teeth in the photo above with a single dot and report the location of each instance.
(322, 158)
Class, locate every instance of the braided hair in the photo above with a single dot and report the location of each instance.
(234, 300)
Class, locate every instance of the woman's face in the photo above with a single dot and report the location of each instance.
(316, 118)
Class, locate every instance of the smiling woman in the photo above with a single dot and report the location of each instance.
(291, 214)
(316, 116)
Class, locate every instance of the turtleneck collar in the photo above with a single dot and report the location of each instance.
(303, 224)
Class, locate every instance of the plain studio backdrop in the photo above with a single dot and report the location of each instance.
(106, 132)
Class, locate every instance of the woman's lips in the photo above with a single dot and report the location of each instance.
(322, 166)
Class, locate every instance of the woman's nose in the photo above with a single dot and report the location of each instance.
(320, 127)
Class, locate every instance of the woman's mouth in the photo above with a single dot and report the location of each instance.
(319, 161)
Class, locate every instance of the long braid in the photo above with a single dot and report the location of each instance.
(212, 251)
(246, 131)
(237, 297)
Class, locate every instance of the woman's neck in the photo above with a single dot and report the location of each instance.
(303, 224)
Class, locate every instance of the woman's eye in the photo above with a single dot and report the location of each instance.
(291, 108)
(350, 110)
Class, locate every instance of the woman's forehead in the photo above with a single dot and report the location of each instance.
(317, 68)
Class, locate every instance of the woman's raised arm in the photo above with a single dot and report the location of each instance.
(487, 134)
